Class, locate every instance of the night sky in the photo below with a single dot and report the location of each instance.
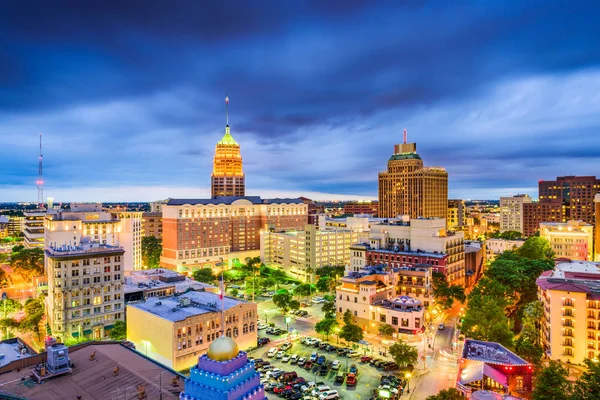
(130, 97)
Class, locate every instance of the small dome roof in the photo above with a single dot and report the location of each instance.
(223, 349)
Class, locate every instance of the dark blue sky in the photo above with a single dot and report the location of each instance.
(130, 97)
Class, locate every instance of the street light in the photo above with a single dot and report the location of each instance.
(407, 376)
(337, 334)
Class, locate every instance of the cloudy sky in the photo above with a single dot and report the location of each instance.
(130, 95)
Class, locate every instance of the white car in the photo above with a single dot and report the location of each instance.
(352, 354)
(274, 371)
(286, 358)
(294, 359)
(280, 355)
(329, 395)
(272, 352)
(336, 365)
(262, 326)
(320, 389)
(308, 386)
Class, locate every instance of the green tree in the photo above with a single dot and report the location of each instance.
(204, 275)
(282, 301)
(278, 277)
(587, 387)
(348, 318)
(507, 235)
(34, 312)
(266, 283)
(118, 331)
(528, 344)
(11, 306)
(28, 262)
(151, 251)
(404, 354)
(351, 333)
(234, 292)
(326, 327)
(386, 330)
(323, 284)
(302, 290)
(294, 305)
(333, 271)
(328, 309)
(536, 248)
(551, 383)
(7, 326)
(444, 293)
(447, 394)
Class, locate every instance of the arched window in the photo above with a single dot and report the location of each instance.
(245, 329)
(251, 326)
(235, 332)
(228, 332)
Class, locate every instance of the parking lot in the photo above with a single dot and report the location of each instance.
(368, 377)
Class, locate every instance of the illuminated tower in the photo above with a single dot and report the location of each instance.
(40, 181)
(227, 178)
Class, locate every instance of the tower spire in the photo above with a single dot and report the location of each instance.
(227, 110)
(404, 135)
(40, 181)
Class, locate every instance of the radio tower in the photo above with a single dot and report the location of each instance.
(40, 181)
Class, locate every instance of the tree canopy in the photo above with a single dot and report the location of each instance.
(333, 271)
(386, 330)
(326, 327)
(444, 293)
(551, 383)
(151, 251)
(350, 332)
(282, 301)
(447, 394)
(536, 248)
(204, 275)
(118, 331)
(507, 235)
(404, 354)
(328, 309)
(27, 262)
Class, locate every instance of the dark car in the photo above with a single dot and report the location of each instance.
(392, 366)
(323, 345)
(353, 369)
(288, 376)
(308, 365)
(330, 348)
(324, 370)
(380, 363)
(263, 341)
(366, 359)
(321, 360)
(374, 361)
(341, 375)
(302, 313)
(298, 380)
(287, 393)
(269, 387)
(297, 396)
(341, 351)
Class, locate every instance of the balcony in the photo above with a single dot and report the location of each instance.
(568, 323)
(568, 344)
(567, 334)
(567, 313)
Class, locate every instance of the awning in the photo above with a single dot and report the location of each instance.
(471, 373)
(495, 375)
(87, 331)
(75, 334)
(107, 327)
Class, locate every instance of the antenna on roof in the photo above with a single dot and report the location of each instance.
(404, 135)
(227, 109)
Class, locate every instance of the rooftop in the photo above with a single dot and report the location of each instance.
(401, 303)
(574, 276)
(405, 156)
(13, 349)
(161, 278)
(228, 200)
(94, 380)
(170, 308)
(407, 253)
(84, 248)
(491, 353)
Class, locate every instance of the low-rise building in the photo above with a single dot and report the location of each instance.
(300, 253)
(361, 207)
(159, 282)
(570, 295)
(497, 246)
(573, 240)
(176, 330)
(15, 225)
(491, 367)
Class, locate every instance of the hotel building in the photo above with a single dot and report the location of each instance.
(511, 212)
(176, 330)
(570, 295)
(573, 239)
(537, 212)
(152, 224)
(211, 233)
(301, 252)
(409, 188)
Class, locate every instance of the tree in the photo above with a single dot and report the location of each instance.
(294, 305)
(348, 317)
(7, 325)
(536, 248)
(404, 354)
(328, 309)
(386, 330)
(282, 301)
(326, 327)
(323, 284)
(447, 394)
(331, 271)
(587, 387)
(235, 292)
(507, 235)
(278, 277)
(34, 312)
(151, 251)
(551, 383)
(11, 306)
(204, 275)
(528, 343)
(303, 289)
(28, 262)
(266, 283)
(118, 331)
(444, 293)
(351, 333)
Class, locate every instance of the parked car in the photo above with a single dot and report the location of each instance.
(321, 360)
(317, 300)
(330, 348)
(302, 313)
(294, 359)
(280, 354)
(272, 352)
(323, 370)
(263, 341)
(301, 361)
(352, 354)
(262, 326)
(286, 358)
(340, 376)
(288, 376)
(391, 366)
(351, 380)
(336, 365)
(308, 365)
(299, 380)
(314, 357)
(269, 387)
(286, 346)
(304, 304)
(366, 359)
(322, 345)
(329, 395)
(374, 361)
(279, 389)
(341, 351)
(353, 369)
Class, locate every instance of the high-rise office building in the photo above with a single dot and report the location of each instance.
(227, 178)
(409, 188)
(537, 212)
(511, 212)
(597, 229)
(576, 193)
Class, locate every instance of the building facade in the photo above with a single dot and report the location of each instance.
(573, 239)
(211, 233)
(497, 246)
(152, 224)
(537, 212)
(597, 228)
(511, 212)
(176, 330)
(300, 253)
(570, 295)
(85, 289)
(457, 214)
(15, 225)
(362, 207)
(33, 229)
(89, 223)
(227, 178)
(409, 188)
(575, 193)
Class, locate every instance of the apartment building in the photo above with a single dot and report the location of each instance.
(537, 212)
(152, 224)
(570, 326)
(300, 253)
(511, 212)
(85, 288)
(176, 330)
(159, 282)
(211, 233)
(361, 207)
(497, 246)
(573, 240)
(33, 228)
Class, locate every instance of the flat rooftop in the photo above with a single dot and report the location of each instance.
(405, 253)
(574, 276)
(161, 278)
(200, 303)
(12, 350)
(94, 379)
(490, 352)
(230, 200)
(400, 303)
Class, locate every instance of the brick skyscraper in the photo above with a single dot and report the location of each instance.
(409, 188)
(227, 178)
(576, 193)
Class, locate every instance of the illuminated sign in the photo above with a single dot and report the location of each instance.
(92, 216)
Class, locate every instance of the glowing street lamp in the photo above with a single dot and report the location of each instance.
(407, 376)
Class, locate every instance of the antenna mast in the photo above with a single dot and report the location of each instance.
(404, 135)
(40, 181)
(227, 109)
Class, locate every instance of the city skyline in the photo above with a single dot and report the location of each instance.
(131, 108)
